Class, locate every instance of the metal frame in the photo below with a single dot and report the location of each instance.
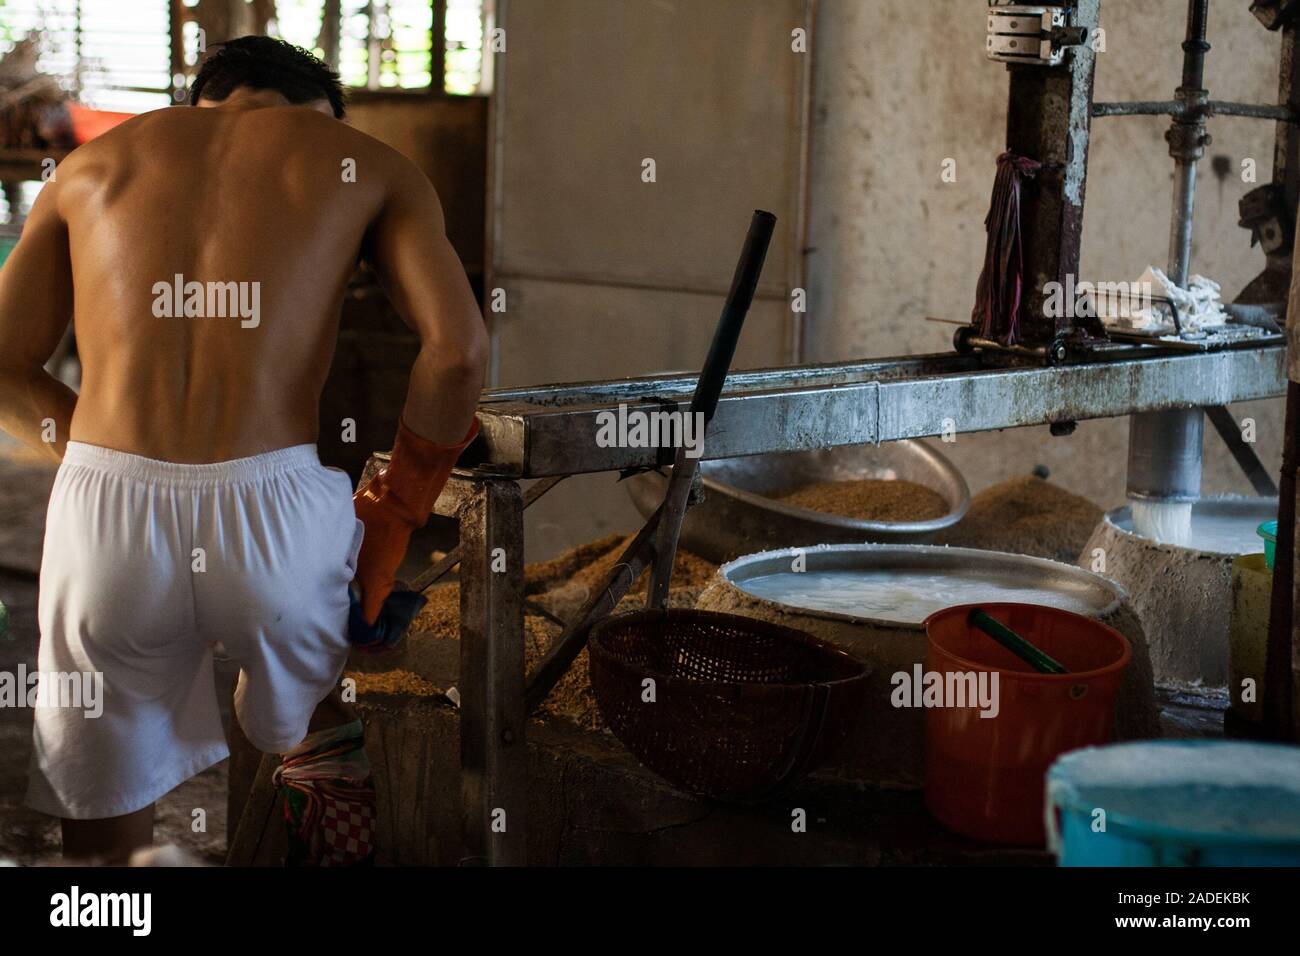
(1049, 113)
(549, 431)
(493, 749)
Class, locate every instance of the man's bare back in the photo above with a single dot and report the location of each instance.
(260, 204)
(203, 254)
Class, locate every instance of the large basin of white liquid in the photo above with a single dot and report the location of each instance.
(905, 584)
(1219, 525)
(871, 600)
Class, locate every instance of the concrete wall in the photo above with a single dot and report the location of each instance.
(446, 136)
(899, 86)
(608, 275)
(902, 86)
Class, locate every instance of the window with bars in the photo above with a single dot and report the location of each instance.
(116, 55)
(111, 55)
(390, 44)
(467, 67)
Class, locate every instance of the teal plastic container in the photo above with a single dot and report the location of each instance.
(1268, 531)
(1176, 803)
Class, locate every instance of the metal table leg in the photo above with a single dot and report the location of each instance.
(493, 754)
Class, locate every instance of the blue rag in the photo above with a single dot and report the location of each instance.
(395, 616)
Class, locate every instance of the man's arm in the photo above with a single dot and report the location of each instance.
(425, 281)
(35, 308)
(409, 249)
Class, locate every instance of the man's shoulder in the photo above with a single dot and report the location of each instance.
(296, 121)
(182, 128)
(131, 139)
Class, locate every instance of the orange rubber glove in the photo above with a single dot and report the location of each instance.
(393, 504)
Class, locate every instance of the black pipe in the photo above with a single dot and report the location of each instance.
(744, 283)
(1195, 46)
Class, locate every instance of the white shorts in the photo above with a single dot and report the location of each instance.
(148, 564)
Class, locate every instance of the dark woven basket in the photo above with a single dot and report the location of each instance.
(743, 708)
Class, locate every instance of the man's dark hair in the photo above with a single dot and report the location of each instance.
(266, 63)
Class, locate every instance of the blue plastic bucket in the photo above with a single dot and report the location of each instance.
(1176, 803)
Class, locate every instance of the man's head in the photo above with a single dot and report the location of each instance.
(267, 63)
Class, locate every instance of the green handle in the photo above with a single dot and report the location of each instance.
(1014, 643)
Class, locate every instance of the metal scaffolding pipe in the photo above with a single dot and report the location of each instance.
(1164, 453)
(1180, 226)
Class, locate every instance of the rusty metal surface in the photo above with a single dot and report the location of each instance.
(672, 385)
(1269, 111)
(1049, 116)
(550, 430)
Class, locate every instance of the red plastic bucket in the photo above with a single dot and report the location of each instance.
(984, 774)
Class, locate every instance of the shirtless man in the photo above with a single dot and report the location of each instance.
(190, 507)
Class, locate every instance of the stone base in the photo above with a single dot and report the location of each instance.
(1182, 596)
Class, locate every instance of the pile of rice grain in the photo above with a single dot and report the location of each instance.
(869, 499)
(393, 682)
(1026, 516)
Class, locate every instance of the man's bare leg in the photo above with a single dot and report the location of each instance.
(110, 840)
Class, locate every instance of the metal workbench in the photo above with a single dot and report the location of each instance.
(550, 431)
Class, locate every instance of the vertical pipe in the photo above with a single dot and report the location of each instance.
(1180, 227)
(1049, 117)
(1184, 141)
(1164, 455)
(1195, 46)
(1165, 447)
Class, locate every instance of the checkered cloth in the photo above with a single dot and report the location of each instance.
(329, 799)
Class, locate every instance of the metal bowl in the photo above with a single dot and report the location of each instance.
(888, 745)
(740, 516)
